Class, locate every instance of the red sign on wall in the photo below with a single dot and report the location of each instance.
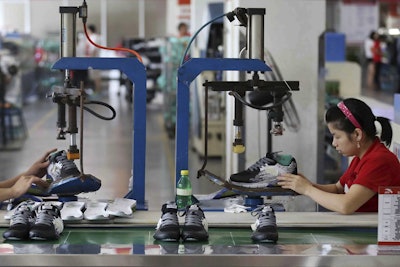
(183, 2)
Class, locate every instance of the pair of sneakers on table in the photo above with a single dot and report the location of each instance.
(36, 221)
(195, 227)
(65, 179)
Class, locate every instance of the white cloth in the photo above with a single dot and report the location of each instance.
(368, 48)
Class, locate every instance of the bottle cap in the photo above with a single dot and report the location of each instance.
(184, 172)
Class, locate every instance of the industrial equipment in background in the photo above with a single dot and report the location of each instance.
(278, 93)
(69, 98)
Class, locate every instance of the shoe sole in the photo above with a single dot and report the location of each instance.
(172, 238)
(16, 238)
(194, 238)
(168, 239)
(268, 238)
(74, 185)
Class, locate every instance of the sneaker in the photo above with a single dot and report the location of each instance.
(264, 172)
(65, 178)
(61, 167)
(20, 222)
(48, 223)
(196, 226)
(168, 225)
(264, 228)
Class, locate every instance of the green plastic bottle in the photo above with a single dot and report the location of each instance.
(183, 191)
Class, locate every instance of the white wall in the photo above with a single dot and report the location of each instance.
(292, 29)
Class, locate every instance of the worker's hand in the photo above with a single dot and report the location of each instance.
(297, 183)
(39, 168)
(24, 182)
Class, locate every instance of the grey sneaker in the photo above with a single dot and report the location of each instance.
(21, 221)
(168, 225)
(264, 228)
(264, 172)
(48, 224)
(196, 226)
(61, 167)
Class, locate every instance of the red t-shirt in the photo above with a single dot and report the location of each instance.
(377, 51)
(378, 167)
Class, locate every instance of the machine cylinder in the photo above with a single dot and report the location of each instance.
(255, 33)
(68, 31)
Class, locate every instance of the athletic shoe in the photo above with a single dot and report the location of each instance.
(48, 224)
(264, 228)
(168, 225)
(264, 172)
(253, 170)
(20, 222)
(61, 167)
(196, 226)
(65, 178)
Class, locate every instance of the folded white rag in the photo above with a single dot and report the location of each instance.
(236, 208)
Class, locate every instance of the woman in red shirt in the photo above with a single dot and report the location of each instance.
(352, 125)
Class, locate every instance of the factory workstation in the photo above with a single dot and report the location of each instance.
(199, 133)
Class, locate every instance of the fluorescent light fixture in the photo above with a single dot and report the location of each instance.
(394, 31)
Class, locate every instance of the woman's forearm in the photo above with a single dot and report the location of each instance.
(9, 182)
(330, 188)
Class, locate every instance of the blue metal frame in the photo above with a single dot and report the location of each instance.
(136, 72)
(186, 74)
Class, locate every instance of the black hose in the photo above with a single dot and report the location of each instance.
(114, 113)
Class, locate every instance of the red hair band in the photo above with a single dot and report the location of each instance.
(348, 114)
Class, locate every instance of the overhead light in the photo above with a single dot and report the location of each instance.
(394, 31)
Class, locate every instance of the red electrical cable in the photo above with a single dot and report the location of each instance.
(111, 48)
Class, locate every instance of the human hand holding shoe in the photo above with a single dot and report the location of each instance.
(39, 167)
(295, 182)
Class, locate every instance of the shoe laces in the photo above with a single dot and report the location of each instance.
(272, 171)
(46, 215)
(194, 215)
(265, 216)
(21, 215)
(169, 218)
(267, 160)
(66, 163)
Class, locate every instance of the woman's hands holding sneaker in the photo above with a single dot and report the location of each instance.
(39, 167)
(295, 182)
(19, 185)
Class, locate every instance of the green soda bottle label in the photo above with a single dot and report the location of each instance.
(183, 192)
